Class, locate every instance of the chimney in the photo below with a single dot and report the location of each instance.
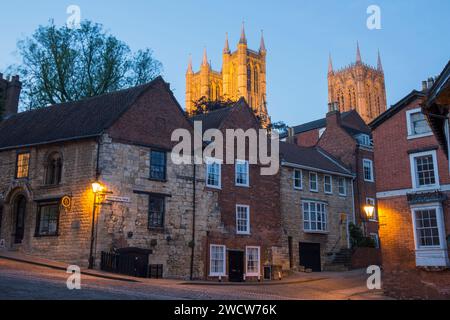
(291, 136)
(333, 116)
(430, 82)
(424, 85)
(12, 97)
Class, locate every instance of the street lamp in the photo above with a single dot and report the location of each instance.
(369, 209)
(96, 189)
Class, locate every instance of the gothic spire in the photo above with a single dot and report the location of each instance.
(262, 47)
(226, 49)
(205, 58)
(330, 64)
(189, 70)
(243, 39)
(358, 53)
(379, 65)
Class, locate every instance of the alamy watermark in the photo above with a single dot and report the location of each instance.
(74, 280)
(374, 280)
(74, 19)
(374, 20)
(227, 149)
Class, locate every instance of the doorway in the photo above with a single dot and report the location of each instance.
(309, 255)
(236, 265)
(20, 206)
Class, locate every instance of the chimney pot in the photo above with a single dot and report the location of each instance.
(424, 85)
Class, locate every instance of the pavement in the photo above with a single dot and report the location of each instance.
(42, 279)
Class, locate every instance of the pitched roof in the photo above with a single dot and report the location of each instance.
(351, 122)
(68, 121)
(413, 95)
(311, 158)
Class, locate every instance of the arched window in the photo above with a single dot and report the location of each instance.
(249, 78)
(217, 92)
(53, 169)
(256, 80)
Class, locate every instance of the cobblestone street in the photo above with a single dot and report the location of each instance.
(25, 281)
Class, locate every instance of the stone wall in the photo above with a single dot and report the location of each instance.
(78, 172)
(292, 216)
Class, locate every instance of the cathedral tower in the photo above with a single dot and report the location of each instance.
(243, 74)
(359, 87)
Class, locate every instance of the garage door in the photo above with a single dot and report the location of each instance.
(309, 256)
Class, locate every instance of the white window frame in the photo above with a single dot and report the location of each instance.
(431, 256)
(241, 162)
(248, 219)
(345, 186)
(324, 184)
(301, 179)
(370, 162)
(252, 274)
(414, 177)
(411, 135)
(371, 201)
(310, 230)
(224, 266)
(317, 182)
(210, 161)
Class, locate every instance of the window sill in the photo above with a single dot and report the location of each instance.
(214, 187)
(243, 233)
(372, 181)
(426, 188)
(157, 180)
(315, 191)
(421, 135)
(156, 229)
(316, 232)
(242, 185)
(329, 193)
(297, 188)
(46, 235)
(342, 195)
(217, 275)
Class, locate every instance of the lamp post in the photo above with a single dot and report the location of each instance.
(96, 189)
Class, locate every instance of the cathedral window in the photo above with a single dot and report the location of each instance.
(256, 80)
(249, 78)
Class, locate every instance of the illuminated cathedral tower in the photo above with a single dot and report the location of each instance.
(243, 74)
(359, 87)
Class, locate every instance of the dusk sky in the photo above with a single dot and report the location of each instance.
(414, 40)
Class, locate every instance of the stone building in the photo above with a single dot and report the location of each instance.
(123, 141)
(412, 193)
(9, 95)
(244, 238)
(347, 138)
(358, 87)
(243, 75)
(316, 208)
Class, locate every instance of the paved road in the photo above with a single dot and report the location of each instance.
(24, 281)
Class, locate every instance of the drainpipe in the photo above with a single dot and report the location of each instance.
(93, 226)
(194, 186)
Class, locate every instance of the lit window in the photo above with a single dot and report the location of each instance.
(368, 170)
(328, 184)
(424, 170)
(253, 259)
(217, 260)
(47, 220)
(22, 165)
(242, 173)
(157, 165)
(298, 175)
(242, 219)
(417, 123)
(342, 187)
(213, 173)
(371, 202)
(314, 216)
(156, 211)
(427, 231)
(313, 185)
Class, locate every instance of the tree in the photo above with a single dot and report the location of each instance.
(60, 64)
(203, 105)
(358, 239)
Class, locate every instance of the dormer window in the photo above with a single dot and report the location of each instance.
(364, 140)
(417, 125)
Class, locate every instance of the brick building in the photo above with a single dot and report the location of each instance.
(413, 187)
(316, 208)
(246, 243)
(347, 138)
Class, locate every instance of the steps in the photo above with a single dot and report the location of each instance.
(339, 261)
